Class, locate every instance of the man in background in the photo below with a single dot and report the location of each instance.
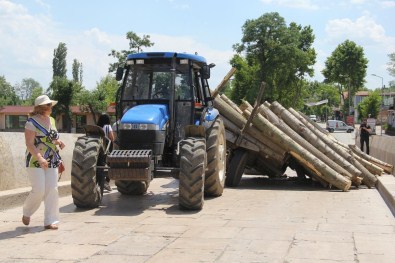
(364, 131)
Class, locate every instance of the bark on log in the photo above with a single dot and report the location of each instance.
(374, 169)
(327, 173)
(317, 140)
(368, 178)
(274, 119)
(388, 168)
(263, 148)
(231, 104)
(230, 113)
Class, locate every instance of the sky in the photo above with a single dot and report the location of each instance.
(30, 30)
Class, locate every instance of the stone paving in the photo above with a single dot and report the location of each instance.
(260, 221)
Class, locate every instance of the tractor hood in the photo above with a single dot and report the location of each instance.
(146, 117)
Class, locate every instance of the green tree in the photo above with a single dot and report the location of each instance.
(64, 90)
(370, 105)
(7, 93)
(77, 71)
(59, 61)
(347, 67)
(25, 89)
(136, 45)
(35, 93)
(278, 54)
(391, 64)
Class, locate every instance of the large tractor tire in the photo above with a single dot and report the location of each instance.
(85, 183)
(192, 169)
(216, 159)
(236, 167)
(132, 187)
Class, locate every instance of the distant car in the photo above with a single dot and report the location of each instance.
(313, 118)
(334, 125)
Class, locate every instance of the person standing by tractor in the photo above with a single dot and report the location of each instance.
(364, 134)
(42, 162)
(104, 122)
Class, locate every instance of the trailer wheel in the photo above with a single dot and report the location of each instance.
(236, 167)
(132, 187)
(85, 183)
(216, 160)
(192, 168)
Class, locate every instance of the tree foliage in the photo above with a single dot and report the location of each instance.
(136, 45)
(7, 93)
(391, 64)
(77, 71)
(346, 66)
(59, 61)
(97, 100)
(26, 88)
(370, 105)
(278, 54)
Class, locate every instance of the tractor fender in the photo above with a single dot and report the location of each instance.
(94, 130)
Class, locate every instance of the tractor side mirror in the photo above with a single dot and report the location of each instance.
(119, 74)
(206, 70)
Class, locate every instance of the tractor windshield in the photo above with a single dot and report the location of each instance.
(153, 82)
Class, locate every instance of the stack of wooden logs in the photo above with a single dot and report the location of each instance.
(278, 135)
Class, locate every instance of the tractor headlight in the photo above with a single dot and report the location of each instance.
(138, 126)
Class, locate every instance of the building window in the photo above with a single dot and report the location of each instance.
(15, 122)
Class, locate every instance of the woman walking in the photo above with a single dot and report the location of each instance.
(42, 161)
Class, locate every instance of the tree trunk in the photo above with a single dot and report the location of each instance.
(374, 169)
(230, 113)
(273, 118)
(316, 141)
(388, 168)
(368, 179)
(321, 169)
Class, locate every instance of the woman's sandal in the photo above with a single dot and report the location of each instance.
(52, 227)
(25, 220)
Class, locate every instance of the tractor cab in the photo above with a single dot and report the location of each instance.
(161, 93)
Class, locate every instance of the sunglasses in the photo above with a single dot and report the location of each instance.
(49, 104)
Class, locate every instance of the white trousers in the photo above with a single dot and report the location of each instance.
(44, 187)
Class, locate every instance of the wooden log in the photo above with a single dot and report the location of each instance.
(323, 170)
(316, 139)
(374, 169)
(231, 104)
(368, 178)
(274, 119)
(223, 83)
(259, 146)
(388, 168)
(230, 113)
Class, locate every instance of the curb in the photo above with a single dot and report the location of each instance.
(16, 197)
(386, 188)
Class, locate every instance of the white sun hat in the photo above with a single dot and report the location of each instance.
(44, 99)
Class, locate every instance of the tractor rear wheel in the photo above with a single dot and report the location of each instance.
(85, 187)
(192, 168)
(132, 187)
(236, 167)
(216, 159)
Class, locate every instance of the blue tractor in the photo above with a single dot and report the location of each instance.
(167, 126)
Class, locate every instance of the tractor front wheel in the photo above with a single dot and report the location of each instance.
(192, 169)
(85, 187)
